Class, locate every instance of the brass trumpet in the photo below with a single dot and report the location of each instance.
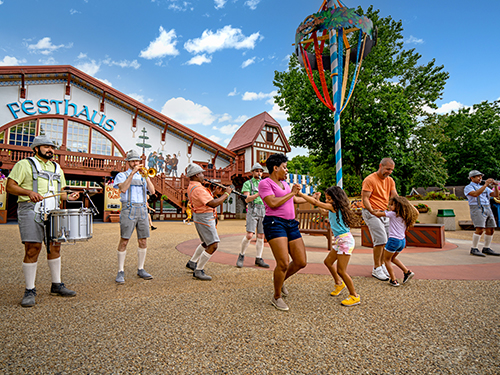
(151, 172)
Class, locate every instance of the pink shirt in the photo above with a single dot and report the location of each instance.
(397, 226)
(269, 187)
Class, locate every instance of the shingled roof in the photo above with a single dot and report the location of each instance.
(246, 135)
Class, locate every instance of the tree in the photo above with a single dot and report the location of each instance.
(472, 139)
(382, 115)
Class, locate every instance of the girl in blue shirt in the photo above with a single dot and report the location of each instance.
(341, 218)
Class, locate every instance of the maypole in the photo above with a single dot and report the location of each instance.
(332, 21)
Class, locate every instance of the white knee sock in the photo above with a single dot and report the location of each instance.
(141, 258)
(204, 258)
(475, 240)
(244, 245)
(487, 240)
(259, 247)
(29, 270)
(55, 269)
(121, 260)
(197, 253)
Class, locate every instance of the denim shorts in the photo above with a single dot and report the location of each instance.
(394, 245)
(275, 227)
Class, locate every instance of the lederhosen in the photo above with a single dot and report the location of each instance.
(254, 209)
(205, 222)
(133, 207)
(26, 215)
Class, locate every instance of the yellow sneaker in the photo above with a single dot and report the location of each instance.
(338, 289)
(351, 301)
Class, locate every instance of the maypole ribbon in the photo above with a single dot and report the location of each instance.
(334, 20)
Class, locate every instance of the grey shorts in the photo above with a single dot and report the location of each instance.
(134, 218)
(482, 217)
(30, 223)
(378, 226)
(255, 217)
(205, 226)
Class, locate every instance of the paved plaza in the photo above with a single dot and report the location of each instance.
(443, 321)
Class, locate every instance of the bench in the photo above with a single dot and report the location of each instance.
(420, 235)
(313, 223)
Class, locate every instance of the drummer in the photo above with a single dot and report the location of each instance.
(32, 179)
(134, 213)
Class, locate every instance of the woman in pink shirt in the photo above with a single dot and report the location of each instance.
(280, 227)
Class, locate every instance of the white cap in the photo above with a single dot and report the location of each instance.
(193, 170)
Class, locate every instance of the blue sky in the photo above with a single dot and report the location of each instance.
(209, 64)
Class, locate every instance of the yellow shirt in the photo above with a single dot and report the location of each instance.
(22, 173)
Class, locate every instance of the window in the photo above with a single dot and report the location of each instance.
(22, 134)
(269, 137)
(2, 137)
(78, 137)
(100, 144)
(53, 129)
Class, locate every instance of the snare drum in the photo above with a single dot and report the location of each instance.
(71, 225)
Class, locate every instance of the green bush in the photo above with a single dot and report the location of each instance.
(435, 196)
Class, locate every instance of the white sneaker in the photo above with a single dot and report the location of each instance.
(378, 273)
(386, 273)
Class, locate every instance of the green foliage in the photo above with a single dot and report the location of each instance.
(472, 139)
(381, 118)
(435, 196)
(300, 164)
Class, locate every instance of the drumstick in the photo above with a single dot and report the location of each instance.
(55, 195)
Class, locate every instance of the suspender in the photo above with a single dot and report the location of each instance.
(37, 171)
(135, 182)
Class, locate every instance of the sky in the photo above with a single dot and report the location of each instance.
(210, 64)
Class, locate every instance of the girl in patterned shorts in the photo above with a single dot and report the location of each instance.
(341, 218)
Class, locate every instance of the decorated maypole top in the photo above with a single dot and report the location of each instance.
(334, 22)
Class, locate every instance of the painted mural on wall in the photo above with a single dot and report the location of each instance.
(166, 164)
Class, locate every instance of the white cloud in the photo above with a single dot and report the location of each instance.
(227, 129)
(286, 129)
(140, 98)
(277, 114)
(123, 64)
(91, 68)
(215, 138)
(414, 40)
(445, 108)
(247, 62)
(241, 119)
(252, 4)
(82, 55)
(233, 93)
(73, 11)
(220, 4)
(225, 117)
(187, 112)
(199, 59)
(261, 95)
(11, 61)
(162, 46)
(49, 61)
(1, 2)
(45, 46)
(180, 6)
(224, 38)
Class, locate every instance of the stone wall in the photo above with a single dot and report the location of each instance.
(460, 208)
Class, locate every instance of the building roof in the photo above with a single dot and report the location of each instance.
(73, 76)
(246, 135)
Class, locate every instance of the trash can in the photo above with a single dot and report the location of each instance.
(446, 217)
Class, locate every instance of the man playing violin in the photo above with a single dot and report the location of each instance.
(31, 179)
(134, 214)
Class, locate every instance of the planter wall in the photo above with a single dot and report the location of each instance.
(460, 208)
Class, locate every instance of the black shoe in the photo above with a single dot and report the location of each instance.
(58, 289)
(153, 228)
(487, 250)
(191, 265)
(475, 251)
(29, 298)
(260, 262)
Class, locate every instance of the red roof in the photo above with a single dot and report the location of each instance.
(246, 135)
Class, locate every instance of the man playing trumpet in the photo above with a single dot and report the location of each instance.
(134, 214)
(32, 179)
